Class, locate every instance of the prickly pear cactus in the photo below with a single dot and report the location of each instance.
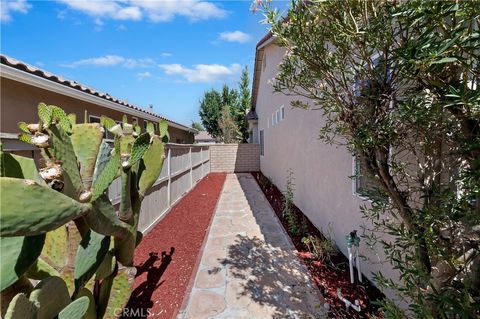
(58, 226)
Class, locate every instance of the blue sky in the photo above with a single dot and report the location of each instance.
(165, 53)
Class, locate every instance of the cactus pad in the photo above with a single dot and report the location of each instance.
(150, 128)
(104, 220)
(17, 255)
(41, 270)
(62, 150)
(45, 114)
(55, 248)
(21, 307)
(139, 147)
(106, 176)
(42, 210)
(120, 291)
(19, 167)
(90, 254)
(102, 159)
(107, 267)
(75, 310)
(86, 140)
(91, 312)
(151, 166)
(50, 296)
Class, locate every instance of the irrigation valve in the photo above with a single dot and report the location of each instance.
(353, 243)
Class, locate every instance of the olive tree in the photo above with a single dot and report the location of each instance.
(397, 82)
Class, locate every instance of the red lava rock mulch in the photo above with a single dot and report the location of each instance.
(328, 277)
(167, 255)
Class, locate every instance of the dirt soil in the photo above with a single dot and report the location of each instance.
(167, 255)
(327, 276)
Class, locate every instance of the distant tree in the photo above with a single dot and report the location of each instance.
(243, 105)
(210, 111)
(213, 104)
(198, 126)
(230, 132)
(230, 98)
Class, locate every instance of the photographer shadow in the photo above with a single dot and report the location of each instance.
(141, 298)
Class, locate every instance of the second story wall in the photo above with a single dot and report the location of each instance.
(324, 190)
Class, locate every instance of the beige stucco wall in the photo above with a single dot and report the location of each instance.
(323, 189)
(234, 158)
(19, 103)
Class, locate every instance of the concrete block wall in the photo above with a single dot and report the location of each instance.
(232, 158)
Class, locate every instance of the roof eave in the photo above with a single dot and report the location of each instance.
(18, 75)
(266, 40)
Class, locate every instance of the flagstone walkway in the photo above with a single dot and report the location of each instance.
(249, 268)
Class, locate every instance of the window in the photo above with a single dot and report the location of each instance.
(282, 112)
(273, 119)
(134, 121)
(96, 119)
(278, 116)
(264, 62)
(155, 127)
(363, 181)
(368, 88)
(262, 145)
(145, 125)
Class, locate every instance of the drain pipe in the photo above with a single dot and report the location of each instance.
(353, 243)
(348, 303)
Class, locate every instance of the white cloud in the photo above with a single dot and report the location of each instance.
(235, 36)
(129, 13)
(166, 54)
(9, 6)
(202, 72)
(161, 11)
(93, 8)
(156, 11)
(112, 60)
(143, 75)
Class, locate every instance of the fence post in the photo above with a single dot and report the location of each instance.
(191, 168)
(169, 183)
(201, 160)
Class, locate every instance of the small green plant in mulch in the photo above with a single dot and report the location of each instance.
(288, 212)
(321, 248)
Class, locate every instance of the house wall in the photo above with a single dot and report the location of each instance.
(234, 158)
(323, 187)
(19, 103)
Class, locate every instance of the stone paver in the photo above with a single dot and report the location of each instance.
(249, 268)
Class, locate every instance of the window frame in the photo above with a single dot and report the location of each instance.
(282, 113)
(356, 179)
(261, 141)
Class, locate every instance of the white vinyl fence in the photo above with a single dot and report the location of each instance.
(183, 167)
